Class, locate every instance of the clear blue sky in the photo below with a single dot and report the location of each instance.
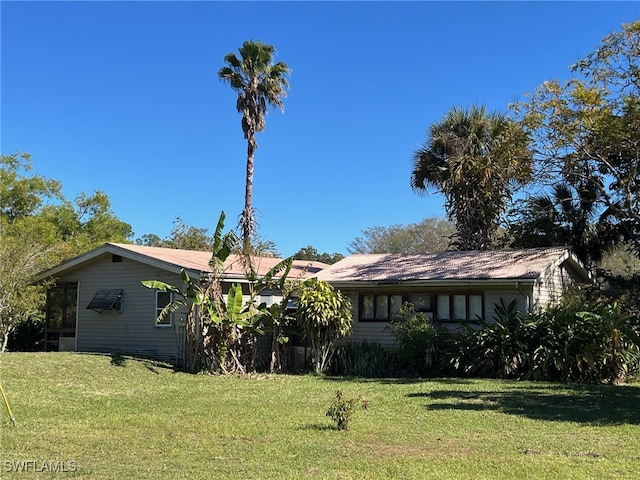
(124, 97)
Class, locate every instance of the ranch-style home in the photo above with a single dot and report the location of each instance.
(450, 287)
(98, 303)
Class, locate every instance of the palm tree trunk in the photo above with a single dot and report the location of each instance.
(248, 220)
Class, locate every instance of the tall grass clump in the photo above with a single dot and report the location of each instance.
(364, 359)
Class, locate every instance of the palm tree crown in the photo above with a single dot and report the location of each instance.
(475, 160)
(260, 83)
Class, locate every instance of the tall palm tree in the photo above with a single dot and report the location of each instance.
(475, 159)
(260, 83)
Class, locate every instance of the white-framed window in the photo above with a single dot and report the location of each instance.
(162, 300)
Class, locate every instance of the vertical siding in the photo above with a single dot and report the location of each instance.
(134, 330)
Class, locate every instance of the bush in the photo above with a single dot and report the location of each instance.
(423, 348)
(497, 349)
(581, 340)
(27, 336)
(341, 410)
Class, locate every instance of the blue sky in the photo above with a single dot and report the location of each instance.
(124, 97)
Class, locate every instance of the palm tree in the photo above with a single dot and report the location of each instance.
(475, 160)
(260, 83)
(569, 215)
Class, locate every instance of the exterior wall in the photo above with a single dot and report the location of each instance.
(133, 330)
(379, 332)
(550, 288)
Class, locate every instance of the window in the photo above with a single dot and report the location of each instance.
(162, 300)
(106, 301)
(380, 308)
(459, 307)
(444, 307)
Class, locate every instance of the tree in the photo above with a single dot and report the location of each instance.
(39, 227)
(476, 160)
(260, 83)
(430, 235)
(567, 217)
(311, 254)
(586, 129)
(324, 315)
(188, 237)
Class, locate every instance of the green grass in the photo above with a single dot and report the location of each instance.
(122, 418)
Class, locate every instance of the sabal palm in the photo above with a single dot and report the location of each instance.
(475, 159)
(260, 84)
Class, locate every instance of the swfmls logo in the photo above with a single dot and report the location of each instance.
(56, 466)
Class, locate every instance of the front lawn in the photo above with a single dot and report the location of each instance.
(103, 417)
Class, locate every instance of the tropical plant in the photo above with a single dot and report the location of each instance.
(260, 83)
(208, 314)
(365, 359)
(569, 216)
(498, 348)
(476, 160)
(222, 327)
(324, 315)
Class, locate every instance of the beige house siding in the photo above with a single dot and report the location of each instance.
(133, 330)
(550, 287)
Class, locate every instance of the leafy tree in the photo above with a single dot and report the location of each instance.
(29, 245)
(149, 240)
(431, 235)
(39, 228)
(475, 159)
(310, 253)
(324, 315)
(188, 237)
(20, 194)
(260, 83)
(586, 129)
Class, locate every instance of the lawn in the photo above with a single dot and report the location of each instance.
(103, 417)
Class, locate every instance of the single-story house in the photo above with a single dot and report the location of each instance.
(450, 287)
(98, 303)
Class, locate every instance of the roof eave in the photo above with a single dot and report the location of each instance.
(432, 283)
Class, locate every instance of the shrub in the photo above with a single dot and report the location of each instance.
(27, 336)
(341, 410)
(496, 349)
(422, 346)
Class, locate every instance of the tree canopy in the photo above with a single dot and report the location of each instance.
(39, 228)
(587, 129)
(475, 159)
(432, 234)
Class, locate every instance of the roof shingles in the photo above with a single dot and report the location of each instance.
(470, 265)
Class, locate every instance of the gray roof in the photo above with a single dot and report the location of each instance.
(527, 264)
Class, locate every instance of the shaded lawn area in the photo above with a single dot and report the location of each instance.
(119, 417)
